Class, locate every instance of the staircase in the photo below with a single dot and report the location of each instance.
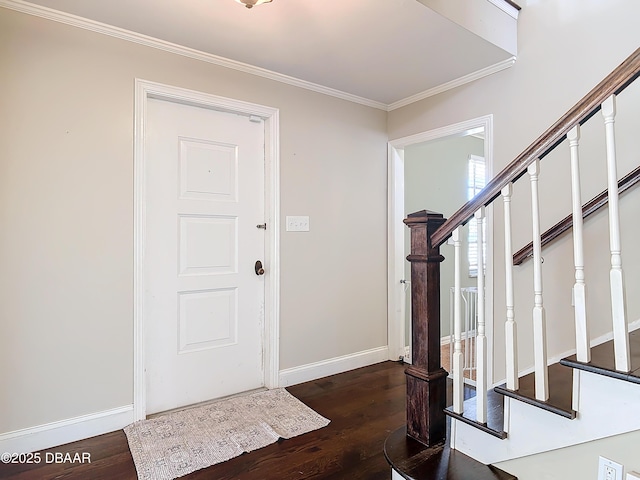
(583, 397)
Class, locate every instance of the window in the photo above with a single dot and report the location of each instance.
(476, 180)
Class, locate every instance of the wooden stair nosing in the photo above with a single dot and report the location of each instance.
(415, 461)
(570, 414)
(495, 415)
(603, 360)
(501, 434)
(560, 391)
(604, 371)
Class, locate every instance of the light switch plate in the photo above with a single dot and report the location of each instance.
(609, 470)
(297, 223)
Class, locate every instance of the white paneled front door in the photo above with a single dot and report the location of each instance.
(204, 302)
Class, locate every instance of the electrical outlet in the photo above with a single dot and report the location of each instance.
(609, 470)
(297, 223)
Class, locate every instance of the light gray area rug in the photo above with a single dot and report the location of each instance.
(177, 443)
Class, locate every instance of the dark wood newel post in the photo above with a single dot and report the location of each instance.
(426, 379)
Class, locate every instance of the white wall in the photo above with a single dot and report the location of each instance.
(557, 465)
(66, 209)
(482, 18)
(435, 178)
(565, 47)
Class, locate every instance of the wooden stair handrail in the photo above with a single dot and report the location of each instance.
(614, 83)
(592, 206)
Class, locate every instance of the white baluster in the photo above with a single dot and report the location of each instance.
(539, 320)
(618, 305)
(458, 379)
(481, 339)
(579, 293)
(451, 320)
(511, 336)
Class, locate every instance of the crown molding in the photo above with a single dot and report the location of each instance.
(127, 35)
(478, 74)
(121, 33)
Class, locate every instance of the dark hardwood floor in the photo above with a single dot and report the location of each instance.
(364, 406)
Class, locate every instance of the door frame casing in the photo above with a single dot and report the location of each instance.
(270, 335)
(396, 231)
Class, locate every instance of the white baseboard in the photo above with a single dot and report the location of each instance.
(332, 366)
(65, 431)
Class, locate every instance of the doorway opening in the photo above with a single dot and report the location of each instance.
(431, 170)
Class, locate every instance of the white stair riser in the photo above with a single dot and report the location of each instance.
(607, 407)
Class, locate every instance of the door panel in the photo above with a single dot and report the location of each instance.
(203, 302)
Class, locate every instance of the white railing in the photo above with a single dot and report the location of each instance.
(618, 306)
(481, 340)
(511, 337)
(538, 315)
(469, 330)
(430, 230)
(457, 367)
(583, 350)
(474, 322)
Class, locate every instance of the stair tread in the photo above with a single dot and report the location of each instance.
(415, 461)
(603, 360)
(560, 391)
(495, 414)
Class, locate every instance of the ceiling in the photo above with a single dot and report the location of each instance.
(384, 51)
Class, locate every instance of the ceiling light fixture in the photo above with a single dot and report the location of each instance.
(253, 3)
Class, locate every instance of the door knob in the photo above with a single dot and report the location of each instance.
(259, 268)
